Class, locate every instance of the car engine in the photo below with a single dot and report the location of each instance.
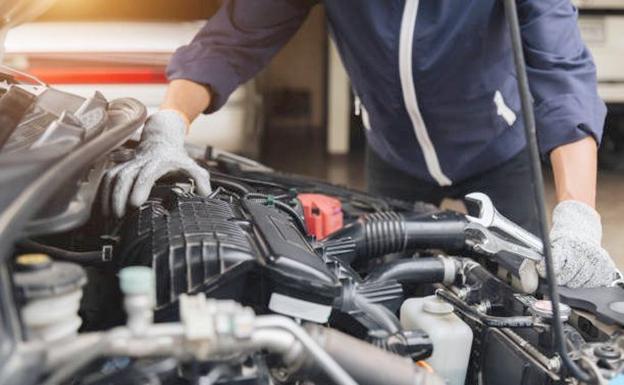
(272, 278)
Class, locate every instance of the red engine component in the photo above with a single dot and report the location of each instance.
(323, 214)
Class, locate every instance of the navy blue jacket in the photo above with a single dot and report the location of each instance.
(435, 77)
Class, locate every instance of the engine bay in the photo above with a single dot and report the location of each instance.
(272, 278)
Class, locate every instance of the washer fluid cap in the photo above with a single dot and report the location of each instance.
(437, 306)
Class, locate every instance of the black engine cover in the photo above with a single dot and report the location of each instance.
(238, 249)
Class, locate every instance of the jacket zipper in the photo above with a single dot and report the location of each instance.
(361, 111)
(406, 43)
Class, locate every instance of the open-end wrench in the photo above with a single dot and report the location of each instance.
(490, 218)
(520, 261)
(487, 242)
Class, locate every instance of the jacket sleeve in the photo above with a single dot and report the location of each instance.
(236, 43)
(562, 74)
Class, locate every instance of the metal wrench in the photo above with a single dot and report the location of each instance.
(490, 218)
(484, 241)
(520, 261)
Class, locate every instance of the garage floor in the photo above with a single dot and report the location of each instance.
(306, 156)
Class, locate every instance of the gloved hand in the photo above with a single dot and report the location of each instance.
(161, 151)
(578, 257)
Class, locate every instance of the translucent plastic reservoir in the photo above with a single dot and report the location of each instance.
(452, 337)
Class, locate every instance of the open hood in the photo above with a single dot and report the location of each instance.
(14, 12)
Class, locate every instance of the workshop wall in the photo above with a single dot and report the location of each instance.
(294, 83)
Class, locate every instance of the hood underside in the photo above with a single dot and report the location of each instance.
(14, 12)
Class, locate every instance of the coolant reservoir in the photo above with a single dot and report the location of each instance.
(451, 337)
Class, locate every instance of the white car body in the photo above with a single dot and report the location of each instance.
(234, 128)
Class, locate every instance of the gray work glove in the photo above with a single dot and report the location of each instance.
(578, 257)
(161, 151)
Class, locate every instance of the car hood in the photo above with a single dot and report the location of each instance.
(14, 12)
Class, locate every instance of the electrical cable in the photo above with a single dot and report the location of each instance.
(511, 13)
(293, 214)
(256, 197)
(216, 192)
(228, 184)
(80, 257)
(256, 182)
(259, 195)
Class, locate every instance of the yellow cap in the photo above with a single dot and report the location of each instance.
(34, 259)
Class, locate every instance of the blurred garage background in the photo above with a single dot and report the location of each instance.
(293, 122)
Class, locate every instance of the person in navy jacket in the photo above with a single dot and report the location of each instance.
(436, 83)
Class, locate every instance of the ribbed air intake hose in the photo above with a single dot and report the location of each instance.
(378, 234)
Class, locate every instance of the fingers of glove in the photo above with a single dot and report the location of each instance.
(586, 264)
(202, 179)
(107, 188)
(591, 278)
(567, 262)
(584, 273)
(146, 178)
(123, 185)
(603, 272)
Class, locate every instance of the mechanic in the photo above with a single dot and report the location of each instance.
(439, 101)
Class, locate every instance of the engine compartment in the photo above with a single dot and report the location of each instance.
(248, 242)
(277, 278)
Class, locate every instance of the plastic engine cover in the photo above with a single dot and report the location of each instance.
(199, 244)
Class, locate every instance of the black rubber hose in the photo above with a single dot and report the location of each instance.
(79, 257)
(368, 364)
(511, 12)
(418, 270)
(378, 313)
(488, 320)
(379, 234)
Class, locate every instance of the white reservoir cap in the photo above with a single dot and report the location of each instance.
(435, 305)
